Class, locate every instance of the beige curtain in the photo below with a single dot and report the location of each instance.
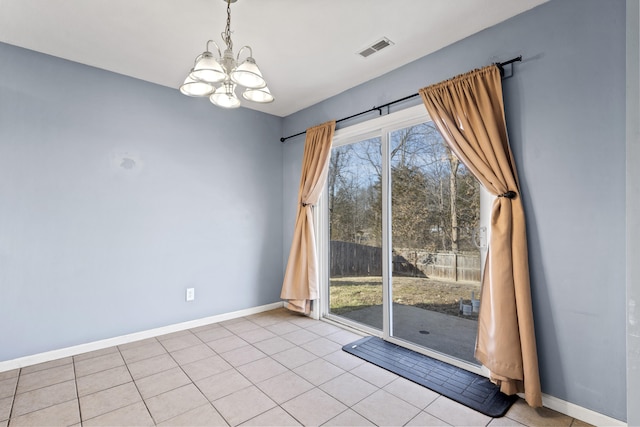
(469, 112)
(301, 276)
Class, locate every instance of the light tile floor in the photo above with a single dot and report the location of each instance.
(271, 369)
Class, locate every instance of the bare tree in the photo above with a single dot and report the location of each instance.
(434, 198)
(453, 196)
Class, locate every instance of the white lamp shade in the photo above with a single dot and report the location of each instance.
(225, 96)
(192, 87)
(262, 95)
(248, 75)
(207, 69)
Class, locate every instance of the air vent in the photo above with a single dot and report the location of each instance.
(375, 47)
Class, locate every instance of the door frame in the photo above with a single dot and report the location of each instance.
(379, 127)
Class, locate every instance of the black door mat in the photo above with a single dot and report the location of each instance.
(467, 388)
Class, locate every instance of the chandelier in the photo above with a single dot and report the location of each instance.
(218, 77)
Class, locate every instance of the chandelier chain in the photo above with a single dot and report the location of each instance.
(226, 36)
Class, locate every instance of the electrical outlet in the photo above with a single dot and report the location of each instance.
(191, 294)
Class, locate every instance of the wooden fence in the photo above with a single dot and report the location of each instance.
(456, 267)
(351, 259)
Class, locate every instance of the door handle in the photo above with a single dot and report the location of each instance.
(480, 237)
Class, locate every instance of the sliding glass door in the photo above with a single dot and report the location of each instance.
(435, 274)
(403, 258)
(355, 230)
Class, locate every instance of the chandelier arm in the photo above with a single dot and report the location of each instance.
(217, 47)
(243, 48)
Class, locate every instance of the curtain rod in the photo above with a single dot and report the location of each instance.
(500, 65)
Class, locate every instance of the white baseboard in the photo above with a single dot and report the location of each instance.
(580, 413)
(124, 339)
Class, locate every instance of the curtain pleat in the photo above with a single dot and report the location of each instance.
(300, 284)
(469, 113)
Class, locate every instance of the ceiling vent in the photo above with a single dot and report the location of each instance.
(375, 47)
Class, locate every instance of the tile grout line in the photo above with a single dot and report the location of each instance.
(75, 382)
(136, 385)
(424, 411)
(15, 393)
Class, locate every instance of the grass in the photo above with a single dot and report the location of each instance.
(353, 293)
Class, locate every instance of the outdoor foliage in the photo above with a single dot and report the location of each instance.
(435, 200)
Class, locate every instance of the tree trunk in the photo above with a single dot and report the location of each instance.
(334, 171)
(442, 225)
(453, 192)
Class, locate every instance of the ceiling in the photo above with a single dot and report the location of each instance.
(306, 49)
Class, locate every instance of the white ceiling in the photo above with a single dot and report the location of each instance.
(306, 49)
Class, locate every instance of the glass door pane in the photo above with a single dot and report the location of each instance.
(435, 211)
(355, 231)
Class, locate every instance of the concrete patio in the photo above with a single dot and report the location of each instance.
(451, 335)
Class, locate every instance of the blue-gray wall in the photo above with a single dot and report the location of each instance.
(116, 195)
(565, 107)
(633, 207)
